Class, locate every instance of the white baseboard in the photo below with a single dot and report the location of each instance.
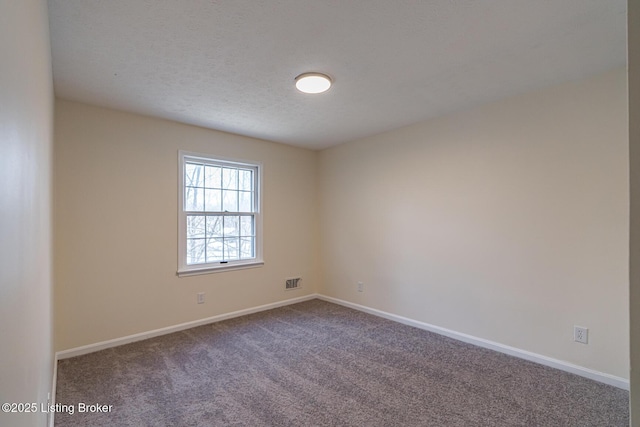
(512, 351)
(90, 348)
(481, 342)
(52, 400)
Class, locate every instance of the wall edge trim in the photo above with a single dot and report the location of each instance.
(582, 371)
(562, 365)
(103, 345)
(54, 384)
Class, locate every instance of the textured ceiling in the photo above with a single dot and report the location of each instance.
(230, 65)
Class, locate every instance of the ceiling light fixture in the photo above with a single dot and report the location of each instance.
(313, 82)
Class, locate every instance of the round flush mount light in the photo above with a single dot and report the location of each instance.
(313, 82)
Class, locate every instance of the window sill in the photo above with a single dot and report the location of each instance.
(218, 269)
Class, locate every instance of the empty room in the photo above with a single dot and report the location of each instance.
(319, 213)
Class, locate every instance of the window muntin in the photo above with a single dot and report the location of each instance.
(219, 238)
(219, 218)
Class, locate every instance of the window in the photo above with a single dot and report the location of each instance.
(219, 215)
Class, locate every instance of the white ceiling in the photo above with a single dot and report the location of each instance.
(230, 64)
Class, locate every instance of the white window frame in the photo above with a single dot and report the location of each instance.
(185, 269)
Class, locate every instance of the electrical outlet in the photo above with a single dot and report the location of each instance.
(360, 287)
(581, 334)
(201, 298)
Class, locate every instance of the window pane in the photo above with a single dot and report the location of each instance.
(229, 201)
(193, 175)
(212, 177)
(195, 251)
(231, 226)
(244, 199)
(212, 200)
(195, 226)
(245, 180)
(214, 250)
(231, 248)
(218, 211)
(193, 199)
(214, 226)
(230, 179)
(246, 248)
(246, 226)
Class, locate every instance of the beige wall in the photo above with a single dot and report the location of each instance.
(26, 119)
(116, 225)
(633, 46)
(508, 222)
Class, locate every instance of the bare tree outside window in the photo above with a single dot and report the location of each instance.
(220, 207)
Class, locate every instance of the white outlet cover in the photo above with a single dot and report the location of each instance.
(581, 334)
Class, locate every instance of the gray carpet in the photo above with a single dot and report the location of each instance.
(321, 364)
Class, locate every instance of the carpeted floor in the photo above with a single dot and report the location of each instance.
(321, 364)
